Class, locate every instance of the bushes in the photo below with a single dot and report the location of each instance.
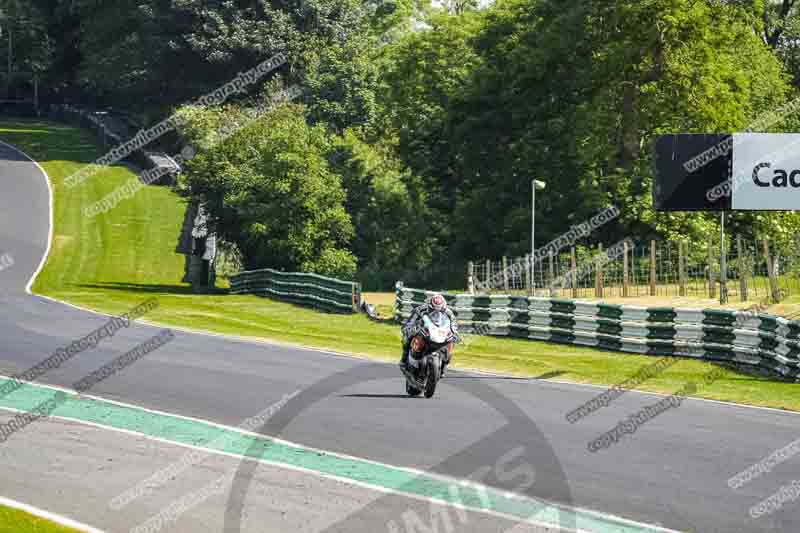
(268, 188)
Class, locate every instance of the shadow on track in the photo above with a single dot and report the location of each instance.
(404, 396)
(547, 375)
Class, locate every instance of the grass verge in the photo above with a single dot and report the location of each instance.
(113, 261)
(16, 521)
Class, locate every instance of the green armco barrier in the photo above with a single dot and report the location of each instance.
(661, 314)
(609, 311)
(764, 341)
(719, 317)
(311, 290)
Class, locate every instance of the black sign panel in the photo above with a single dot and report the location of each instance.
(688, 166)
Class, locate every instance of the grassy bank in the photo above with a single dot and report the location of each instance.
(116, 260)
(131, 246)
(15, 521)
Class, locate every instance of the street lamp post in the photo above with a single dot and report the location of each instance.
(535, 184)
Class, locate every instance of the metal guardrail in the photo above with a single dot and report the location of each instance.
(759, 340)
(112, 129)
(311, 290)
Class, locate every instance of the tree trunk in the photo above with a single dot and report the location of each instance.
(629, 152)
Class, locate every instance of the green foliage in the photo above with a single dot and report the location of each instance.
(573, 95)
(339, 264)
(389, 212)
(23, 41)
(342, 79)
(167, 52)
(269, 189)
(422, 127)
(425, 78)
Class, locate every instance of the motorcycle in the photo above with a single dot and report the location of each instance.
(430, 350)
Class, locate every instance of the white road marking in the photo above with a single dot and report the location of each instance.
(53, 517)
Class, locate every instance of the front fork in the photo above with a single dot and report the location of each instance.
(412, 379)
(440, 357)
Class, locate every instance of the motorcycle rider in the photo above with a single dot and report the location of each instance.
(435, 303)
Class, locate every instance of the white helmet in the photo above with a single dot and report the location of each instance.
(437, 302)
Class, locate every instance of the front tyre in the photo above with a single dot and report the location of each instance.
(433, 377)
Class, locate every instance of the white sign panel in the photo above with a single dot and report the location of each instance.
(766, 171)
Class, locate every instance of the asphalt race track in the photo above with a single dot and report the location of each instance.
(672, 472)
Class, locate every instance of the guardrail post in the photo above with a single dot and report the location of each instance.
(471, 277)
(573, 277)
(505, 273)
(625, 269)
(652, 268)
(598, 278)
(773, 281)
(357, 297)
(488, 278)
(552, 273)
(712, 288)
(682, 268)
(743, 267)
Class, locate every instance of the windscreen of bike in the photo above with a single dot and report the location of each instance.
(438, 325)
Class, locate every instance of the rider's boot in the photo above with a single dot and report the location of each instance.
(445, 362)
(404, 358)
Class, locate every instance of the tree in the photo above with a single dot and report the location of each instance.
(24, 44)
(575, 95)
(426, 76)
(388, 209)
(163, 53)
(269, 189)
